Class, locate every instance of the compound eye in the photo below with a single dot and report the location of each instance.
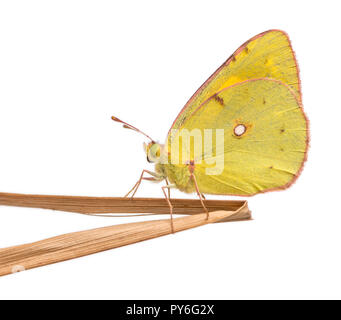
(154, 153)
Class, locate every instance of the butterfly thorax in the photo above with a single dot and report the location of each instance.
(179, 175)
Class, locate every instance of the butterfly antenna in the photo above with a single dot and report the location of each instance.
(129, 126)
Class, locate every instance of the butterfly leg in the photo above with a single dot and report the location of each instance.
(201, 197)
(168, 186)
(155, 177)
(167, 182)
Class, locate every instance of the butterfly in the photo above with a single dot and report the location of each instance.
(243, 132)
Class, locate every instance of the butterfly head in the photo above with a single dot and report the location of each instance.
(153, 151)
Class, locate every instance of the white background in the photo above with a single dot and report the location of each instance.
(67, 66)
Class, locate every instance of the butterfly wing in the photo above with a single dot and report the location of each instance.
(268, 54)
(267, 154)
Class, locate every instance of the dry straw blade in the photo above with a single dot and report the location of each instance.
(114, 205)
(78, 244)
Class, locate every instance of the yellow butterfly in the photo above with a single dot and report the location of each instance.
(244, 130)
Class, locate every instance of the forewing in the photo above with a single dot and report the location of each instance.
(268, 54)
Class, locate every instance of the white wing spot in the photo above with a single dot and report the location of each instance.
(239, 130)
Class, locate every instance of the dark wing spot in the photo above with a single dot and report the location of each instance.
(282, 130)
(231, 58)
(264, 101)
(246, 50)
(220, 100)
